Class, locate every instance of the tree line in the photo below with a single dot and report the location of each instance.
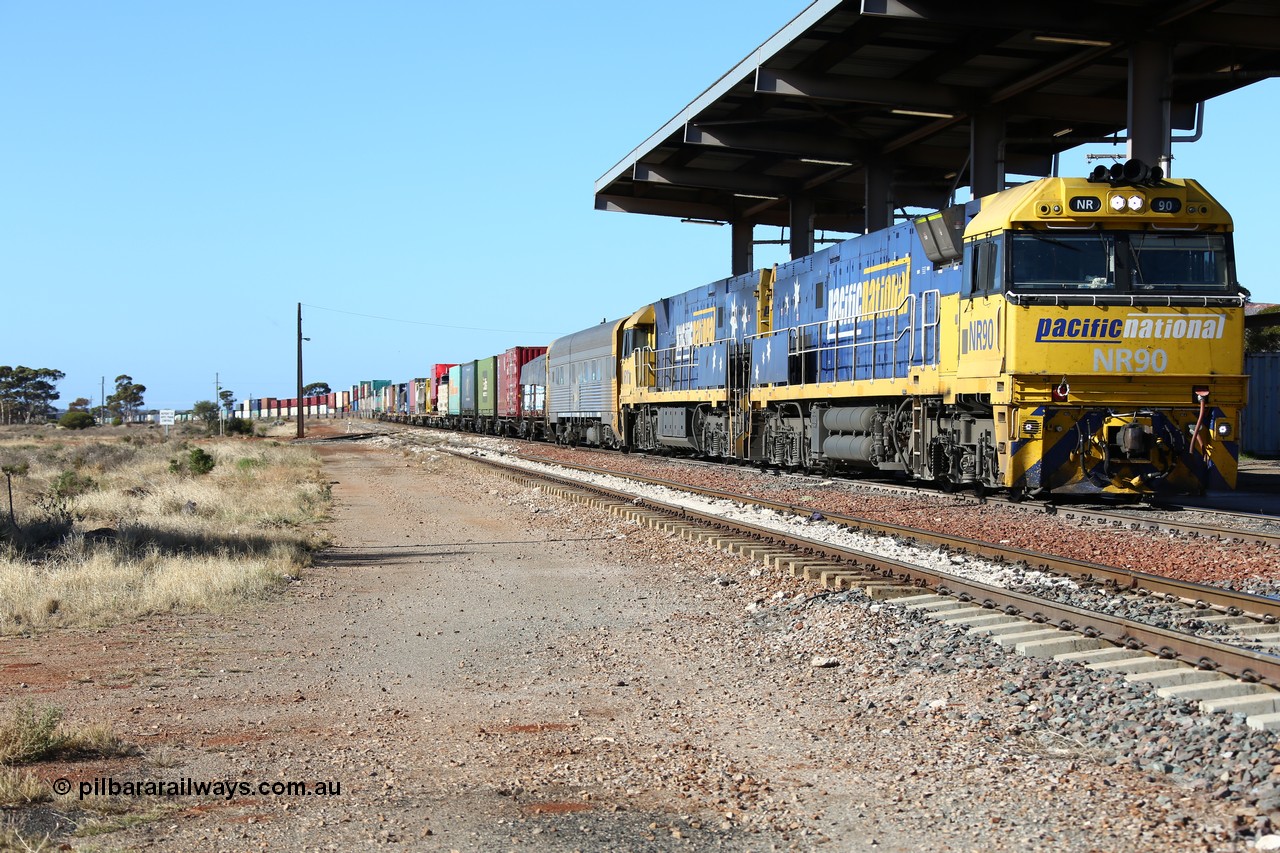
(27, 395)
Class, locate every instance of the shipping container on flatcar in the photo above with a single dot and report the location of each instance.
(438, 404)
(418, 397)
(533, 398)
(486, 393)
(455, 391)
(510, 363)
(467, 392)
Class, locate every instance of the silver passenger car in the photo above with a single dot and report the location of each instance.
(582, 386)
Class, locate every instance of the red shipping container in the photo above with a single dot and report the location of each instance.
(509, 364)
(439, 376)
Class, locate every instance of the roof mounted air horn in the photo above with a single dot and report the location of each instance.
(1131, 173)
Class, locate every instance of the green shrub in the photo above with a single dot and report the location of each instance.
(239, 426)
(195, 463)
(117, 421)
(69, 484)
(76, 420)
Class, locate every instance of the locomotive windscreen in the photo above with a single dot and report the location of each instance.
(1121, 261)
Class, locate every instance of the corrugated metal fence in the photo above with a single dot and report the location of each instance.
(1260, 432)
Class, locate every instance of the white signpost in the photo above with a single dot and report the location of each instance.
(167, 420)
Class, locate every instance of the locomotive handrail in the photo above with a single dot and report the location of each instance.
(910, 303)
(644, 368)
(1131, 299)
(679, 375)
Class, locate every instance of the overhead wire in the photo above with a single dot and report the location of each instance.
(433, 325)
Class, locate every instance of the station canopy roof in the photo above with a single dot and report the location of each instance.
(897, 83)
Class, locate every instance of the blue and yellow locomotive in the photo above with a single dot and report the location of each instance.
(1066, 336)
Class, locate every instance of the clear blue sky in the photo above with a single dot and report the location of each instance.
(175, 177)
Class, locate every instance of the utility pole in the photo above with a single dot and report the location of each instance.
(217, 401)
(102, 402)
(300, 427)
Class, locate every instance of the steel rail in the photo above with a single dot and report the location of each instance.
(1230, 602)
(1223, 534)
(1115, 519)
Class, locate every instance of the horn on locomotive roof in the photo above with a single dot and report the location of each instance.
(1131, 172)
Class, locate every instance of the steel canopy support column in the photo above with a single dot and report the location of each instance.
(744, 247)
(801, 227)
(986, 161)
(878, 196)
(1150, 67)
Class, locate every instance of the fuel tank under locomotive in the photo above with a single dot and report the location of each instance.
(922, 437)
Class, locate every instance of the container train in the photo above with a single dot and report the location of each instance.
(1068, 336)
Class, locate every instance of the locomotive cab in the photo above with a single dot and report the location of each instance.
(1106, 317)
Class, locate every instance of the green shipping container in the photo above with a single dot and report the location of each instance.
(487, 386)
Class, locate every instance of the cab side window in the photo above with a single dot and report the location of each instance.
(985, 262)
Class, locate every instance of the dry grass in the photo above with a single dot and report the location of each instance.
(12, 840)
(32, 734)
(107, 531)
(19, 786)
(29, 734)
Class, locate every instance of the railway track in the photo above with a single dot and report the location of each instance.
(1228, 601)
(1217, 525)
(1218, 675)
